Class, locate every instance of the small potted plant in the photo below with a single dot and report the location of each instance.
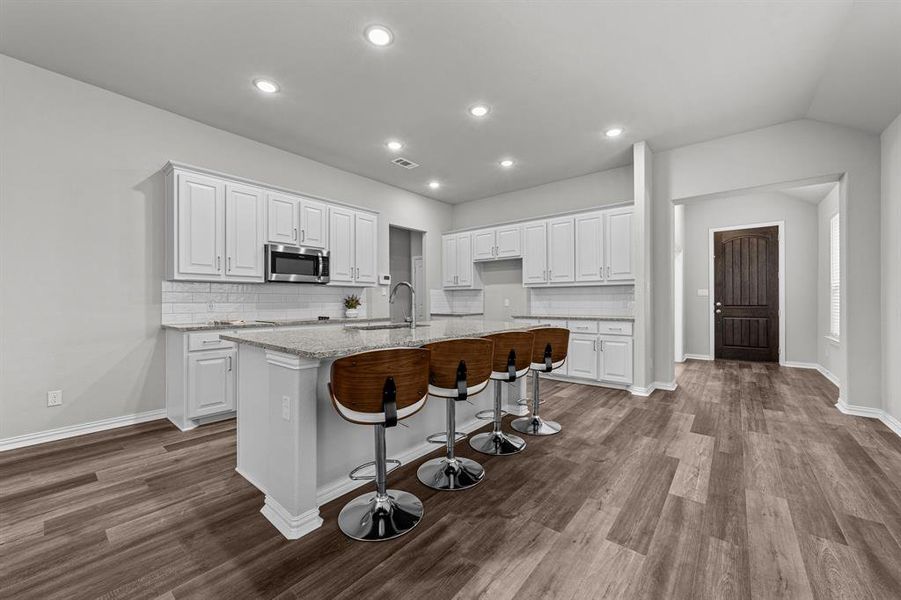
(351, 306)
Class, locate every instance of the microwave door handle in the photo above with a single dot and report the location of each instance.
(321, 267)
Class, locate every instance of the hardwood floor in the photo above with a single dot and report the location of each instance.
(746, 482)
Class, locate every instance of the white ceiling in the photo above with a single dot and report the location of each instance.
(810, 193)
(556, 75)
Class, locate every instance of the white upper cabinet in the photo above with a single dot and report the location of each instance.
(283, 218)
(353, 246)
(199, 218)
(366, 249)
(243, 232)
(483, 244)
(560, 250)
(589, 245)
(618, 247)
(497, 243)
(313, 223)
(508, 241)
(457, 255)
(534, 253)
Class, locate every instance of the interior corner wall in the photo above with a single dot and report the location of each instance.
(82, 234)
(799, 277)
(785, 153)
(891, 268)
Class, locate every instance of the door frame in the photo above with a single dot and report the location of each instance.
(711, 282)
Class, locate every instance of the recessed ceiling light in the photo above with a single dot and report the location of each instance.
(479, 110)
(507, 163)
(614, 132)
(394, 145)
(434, 185)
(266, 85)
(379, 35)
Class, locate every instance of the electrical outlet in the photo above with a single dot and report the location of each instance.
(210, 306)
(506, 302)
(286, 408)
(55, 398)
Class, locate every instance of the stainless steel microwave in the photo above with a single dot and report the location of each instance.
(296, 264)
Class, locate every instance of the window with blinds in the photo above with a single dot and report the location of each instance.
(834, 278)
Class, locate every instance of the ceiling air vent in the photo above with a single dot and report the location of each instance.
(405, 163)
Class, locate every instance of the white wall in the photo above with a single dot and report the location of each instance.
(576, 193)
(800, 275)
(796, 151)
(891, 268)
(829, 352)
(81, 240)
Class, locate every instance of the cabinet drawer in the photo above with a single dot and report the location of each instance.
(583, 326)
(208, 340)
(615, 327)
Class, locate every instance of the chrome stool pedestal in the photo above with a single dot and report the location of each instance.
(534, 424)
(496, 442)
(548, 353)
(450, 472)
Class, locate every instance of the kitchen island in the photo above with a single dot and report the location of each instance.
(294, 447)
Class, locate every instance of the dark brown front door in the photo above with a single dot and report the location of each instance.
(746, 294)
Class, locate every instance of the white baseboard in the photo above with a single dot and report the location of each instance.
(697, 357)
(290, 526)
(339, 487)
(52, 435)
(814, 366)
(871, 413)
(657, 385)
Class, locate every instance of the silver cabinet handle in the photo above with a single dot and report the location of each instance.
(210, 341)
(229, 363)
(601, 272)
(595, 345)
(303, 235)
(615, 328)
(229, 263)
(549, 274)
(295, 234)
(602, 345)
(218, 263)
(608, 272)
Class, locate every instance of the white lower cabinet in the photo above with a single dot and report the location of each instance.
(582, 356)
(211, 382)
(615, 359)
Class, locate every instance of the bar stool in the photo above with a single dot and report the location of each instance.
(548, 353)
(458, 369)
(510, 361)
(380, 388)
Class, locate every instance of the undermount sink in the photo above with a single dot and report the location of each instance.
(385, 326)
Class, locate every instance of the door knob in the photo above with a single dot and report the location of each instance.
(719, 303)
(718, 311)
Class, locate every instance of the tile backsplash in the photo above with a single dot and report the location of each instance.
(456, 301)
(194, 302)
(588, 301)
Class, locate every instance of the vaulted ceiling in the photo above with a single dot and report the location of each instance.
(556, 75)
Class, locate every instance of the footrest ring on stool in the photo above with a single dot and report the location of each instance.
(391, 463)
(441, 438)
(528, 402)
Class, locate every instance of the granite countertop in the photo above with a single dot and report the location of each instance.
(579, 317)
(266, 324)
(457, 314)
(330, 342)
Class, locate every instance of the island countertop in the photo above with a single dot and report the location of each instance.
(333, 341)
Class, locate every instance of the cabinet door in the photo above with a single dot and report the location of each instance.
(589, 256)
(464, 259)
(561, 248)
(534, 253)
(243, 235)
(483, 243)
(211, 382)
(582, 356)
(366, 256)
(508, 242)
(618, 252)
(201, 224)
(616, 359)
(313, 224)
(449, 261)
(341, 245)
(282, 218)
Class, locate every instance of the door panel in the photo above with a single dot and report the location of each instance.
(483, 244)
(341, 245)
(534, 253)
(243, 237)
(589, 259)
(561, 250)
(211, 382)
(616, 359)
(449, 261)
(365, 251)
(618, 253)
(508, 242)
(200, 225)
(746, 294)
(313, 224)
(464, 259)
(582, 356)
(282, 218)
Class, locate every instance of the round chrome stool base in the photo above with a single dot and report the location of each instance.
(445, 475)
(497, 443)
(368, 519)
(535, 426)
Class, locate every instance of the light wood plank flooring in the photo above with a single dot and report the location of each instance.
(746, 482)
